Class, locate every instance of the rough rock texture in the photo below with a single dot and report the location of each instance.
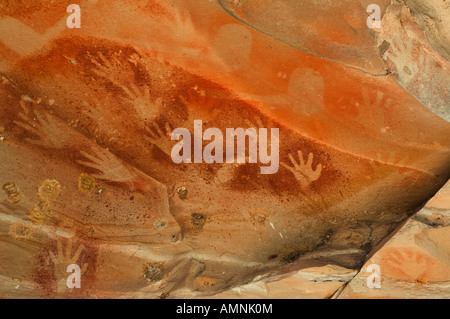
(415, 263)
(309, 283)
(434, 18)
(86, 170)
(424, 72)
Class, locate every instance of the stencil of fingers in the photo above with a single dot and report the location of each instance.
(139, 98)
(302, 171)
(197, 104)
(50, 132)
(407, 263)
(62, 260)
(380, 100)
(257, 123)
(180, 24)
(107, 69)
(183, 25)
(141, 101)
(372, 112)
(179, 28)
(110, 167)
(182, 29)
(425, 65)
(160, 138)
(376, 109)
(402, 58)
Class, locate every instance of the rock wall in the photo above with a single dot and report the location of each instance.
(95, 176)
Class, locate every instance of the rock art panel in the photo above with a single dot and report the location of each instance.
(304, 144)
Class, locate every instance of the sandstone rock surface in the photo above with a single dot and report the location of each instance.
(415, 263)
(86, 168)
